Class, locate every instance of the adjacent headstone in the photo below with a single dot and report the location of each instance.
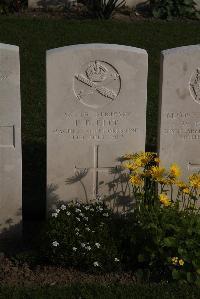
(180, 108)
(96, 112)
(10, 142)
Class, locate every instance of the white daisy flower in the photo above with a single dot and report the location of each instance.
(68, 213)
(116, 259)
(77, 229)
(54, 215)
(105, 215)
(97, 245)
(87, 208)
(88, 248)
(78, 219)
(55, 244)
(78, 211)
(63, 207)
(96, 264)
(83, 245)
(100, 209)
(87, 228)
(74, 248)
(57, 211)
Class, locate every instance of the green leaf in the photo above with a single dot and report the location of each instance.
(141, 258)
(176, 274)
(169, 242)
(189, 277)
(197, 281)
(198, 271)
(156, 13)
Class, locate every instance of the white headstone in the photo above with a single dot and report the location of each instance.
(96, 112)
(10, 142)
(180, 108)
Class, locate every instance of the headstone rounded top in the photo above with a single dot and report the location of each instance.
(96, 46)
(180, 50)
(96, 112)
(8, 47)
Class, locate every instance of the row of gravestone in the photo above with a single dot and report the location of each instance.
(96, 112)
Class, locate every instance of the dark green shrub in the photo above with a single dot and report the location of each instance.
(80, 236)
(168, 9)
(163, 242)
(103, 9)
(11, 6)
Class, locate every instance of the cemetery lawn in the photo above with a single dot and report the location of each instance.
(96, 291)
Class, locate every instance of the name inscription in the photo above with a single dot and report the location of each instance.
(96, 126)
(183, 125)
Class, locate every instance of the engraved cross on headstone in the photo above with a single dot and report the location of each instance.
(95, 169)
(7, 136)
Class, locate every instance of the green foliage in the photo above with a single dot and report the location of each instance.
(168, 9)
(157, 243)
(79, 235)
(11, 6)
(103, 9)
(166, 242)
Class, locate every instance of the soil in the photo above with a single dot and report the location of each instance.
(12, 274)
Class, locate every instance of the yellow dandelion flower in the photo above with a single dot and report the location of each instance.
(186, 190)
(174, 260)
(142, 158)
(163, 181)
(136, 180)
(194, 180)
(157, 160)
(181, 262)
(175, 170)
(157, 172)
(164, 199)
(130, 165)
(129, 156)
(166, 181)
(181, 184)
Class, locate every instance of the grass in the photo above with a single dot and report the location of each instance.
(35, 36)
(95, 291)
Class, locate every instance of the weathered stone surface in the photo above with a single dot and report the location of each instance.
(96, 112)
(180, 108)
(10, 142)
